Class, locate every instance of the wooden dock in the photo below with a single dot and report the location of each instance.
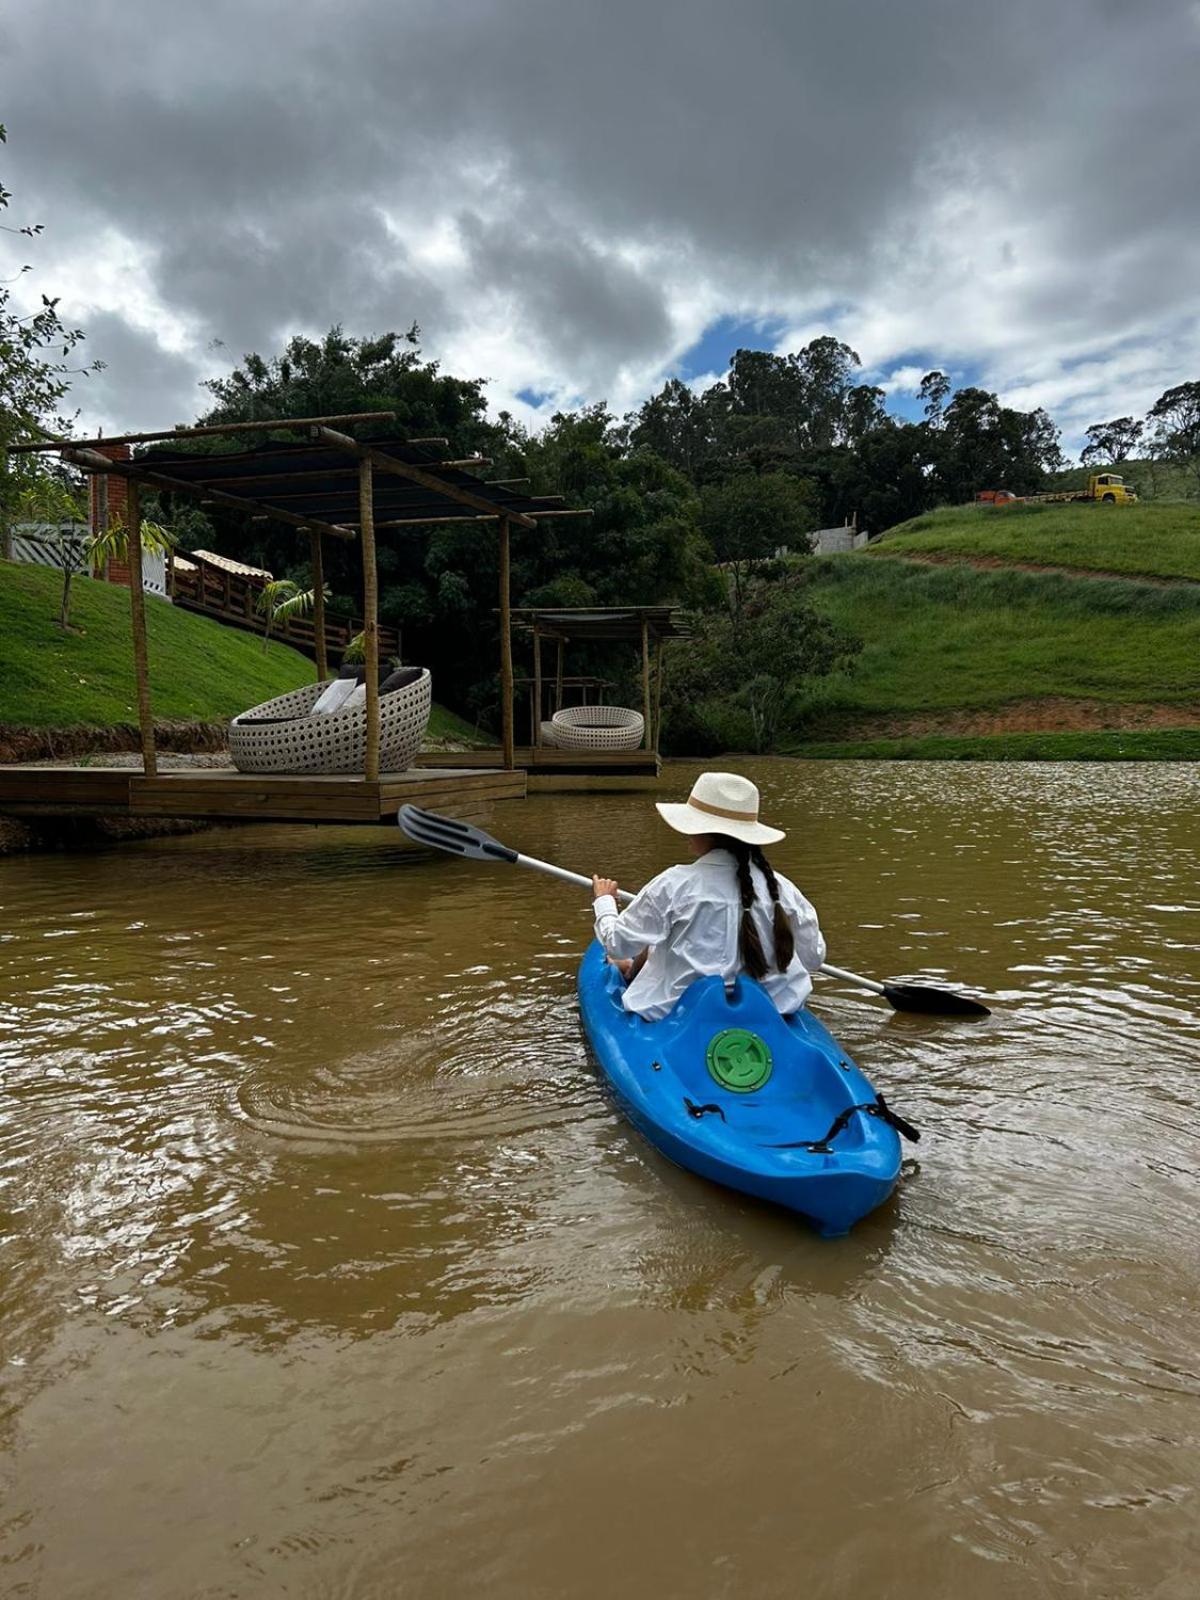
(549, 769)
(224, 794)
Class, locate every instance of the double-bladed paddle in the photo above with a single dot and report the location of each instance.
(464, 839)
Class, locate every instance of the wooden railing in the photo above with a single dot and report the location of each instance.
(232, 598)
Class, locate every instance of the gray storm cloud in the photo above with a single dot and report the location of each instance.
(564, 194)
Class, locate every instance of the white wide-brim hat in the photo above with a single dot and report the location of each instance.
(721, 802)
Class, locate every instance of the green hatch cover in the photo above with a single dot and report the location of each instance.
(739, 1060)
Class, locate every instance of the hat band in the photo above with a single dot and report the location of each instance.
(721, 811)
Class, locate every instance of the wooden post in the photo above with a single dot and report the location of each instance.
(558, 705)
(658, 683)
(318, 578)
(536, 736)
(506, 665)
(137, 600)
(6, 548)
(366, 528)
(647, 712)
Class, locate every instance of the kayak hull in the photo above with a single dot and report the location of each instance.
(753, 1140)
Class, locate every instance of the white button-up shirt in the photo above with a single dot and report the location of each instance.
(689, 917)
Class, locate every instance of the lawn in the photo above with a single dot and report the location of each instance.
(937, 639)
(200, 671)
(1156, 540)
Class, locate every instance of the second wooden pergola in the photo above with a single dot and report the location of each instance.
(646, 626)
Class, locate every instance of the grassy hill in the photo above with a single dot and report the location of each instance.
(998, 661)
(1155, 539)
(200, 671)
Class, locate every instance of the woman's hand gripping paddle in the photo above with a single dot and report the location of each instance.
(464, 839)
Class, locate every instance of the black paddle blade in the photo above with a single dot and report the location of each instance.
(934, 1002)
(457, 838)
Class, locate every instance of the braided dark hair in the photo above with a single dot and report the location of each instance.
(750, 948)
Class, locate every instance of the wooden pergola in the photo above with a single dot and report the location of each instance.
(328, 485)
(647, 626)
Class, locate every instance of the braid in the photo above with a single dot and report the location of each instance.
(749, 944)
(785, 942)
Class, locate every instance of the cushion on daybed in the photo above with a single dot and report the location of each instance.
(333, 697)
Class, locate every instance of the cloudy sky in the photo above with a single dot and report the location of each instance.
(579, 198)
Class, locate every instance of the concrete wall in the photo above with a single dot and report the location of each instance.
(837, 541)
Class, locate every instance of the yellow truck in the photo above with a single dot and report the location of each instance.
(1107, 487)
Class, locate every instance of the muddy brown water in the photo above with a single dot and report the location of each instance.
(329, 1270)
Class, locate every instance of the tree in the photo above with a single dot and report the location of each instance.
(735, 683)
(35, 373)
(47, 495)
(1175, 416)
(934, 391)
(749, 518)
(982, 444)
(1110, 443)
(339, 373)
(676, 425)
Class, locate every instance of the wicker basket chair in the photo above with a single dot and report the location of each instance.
(548, 736)
(598, 728)
(281, 736)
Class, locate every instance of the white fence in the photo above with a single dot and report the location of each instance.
(49, 544)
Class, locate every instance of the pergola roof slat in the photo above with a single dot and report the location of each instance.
(312, 483)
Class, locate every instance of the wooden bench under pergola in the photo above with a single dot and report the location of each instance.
(326, 484)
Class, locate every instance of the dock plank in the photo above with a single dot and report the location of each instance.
(222, 792)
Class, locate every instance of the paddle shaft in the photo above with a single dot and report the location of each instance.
(854, 977)
(563, 875)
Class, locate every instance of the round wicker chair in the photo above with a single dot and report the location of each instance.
(281, 736)
(548, 735)
(598, 728)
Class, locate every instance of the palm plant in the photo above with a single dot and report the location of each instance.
(282, 599)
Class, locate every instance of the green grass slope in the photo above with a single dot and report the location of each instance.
(956, 639)
(200, 671)
(1150, 540)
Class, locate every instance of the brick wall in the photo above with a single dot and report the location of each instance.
(109, 495)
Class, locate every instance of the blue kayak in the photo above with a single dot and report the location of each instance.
(729, 1089)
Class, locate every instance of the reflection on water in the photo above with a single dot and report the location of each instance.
(329, 1270)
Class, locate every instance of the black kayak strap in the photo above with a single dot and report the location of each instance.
(870, 1108)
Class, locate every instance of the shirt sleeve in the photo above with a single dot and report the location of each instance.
(810, 941)
(644, 921)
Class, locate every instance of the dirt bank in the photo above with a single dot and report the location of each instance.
(1050, 714)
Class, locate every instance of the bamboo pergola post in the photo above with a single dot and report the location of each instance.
(647, 711)
(6, 547)
(137, 601)
(318, 578)
(506, 665)
(558, 684)
(536, 738)
(366, 528)
(658, 683)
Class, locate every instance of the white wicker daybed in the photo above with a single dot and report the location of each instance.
(598, 728)
(282, 735)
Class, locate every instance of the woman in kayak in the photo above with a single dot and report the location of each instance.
(726, 912)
